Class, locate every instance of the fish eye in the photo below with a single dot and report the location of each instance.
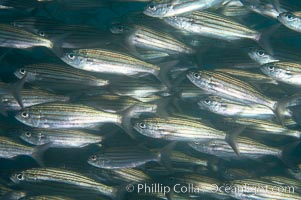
(196, 75)
(94, 157)
(42, 33)
(120, 28)
(271, 67)
(152, 7)
(4, 100)
(261, 52)
(289, 16)
(27, 134)
(24, 114)
(22, 71)
(207, 101)
(142, 125)
(71, 56)
(20, 177)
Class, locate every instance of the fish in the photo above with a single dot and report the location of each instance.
(59, 138)
(286, 72)
(50, 75)
(68, 182)
(281, 180)
(226, 86)
(162, 9)
(266, 8)
(291, 20)
(213, 26)
(266, 127)
(295, 172)
(260, 56)
(30, 97)
(150, 39)
(177, 129)
(230, 108)
(233, 8)
(12, 37)
(129, 157)
(10, 149)
(248, 149)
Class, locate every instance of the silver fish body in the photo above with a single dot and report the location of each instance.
(56, 75)
(171, 8)
(30, 97)
(229, 87)
(65, 115)
(64, 179)
(291, 20)
(59, 138)
(177, 129)
(108, 62)
(287, 72)
(213, 26)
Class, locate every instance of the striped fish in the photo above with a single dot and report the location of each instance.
(231, 108)
(12, 37)
(291, 20)
(30, 97)
(226, 86)
(171, 8)
(108, 62)
(146, 38)
(213, 26)
(248, 148)
(128, 157)
(10, 149)
(59, 138)
(68, 182)
(286, 72)
(47, 197)
(55, 76)
(177, 129)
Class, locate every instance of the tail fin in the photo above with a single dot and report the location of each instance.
(287, 152)
(38, 153)
(231, 139)
(15, 89)
(164, 70)
(165, 155)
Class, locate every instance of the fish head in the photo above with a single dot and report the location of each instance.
(289, 20)
(260, 56)
(119, 29)
(18, 177)
(74, 59)
(154, 9)
(20, 73)
(274, 71)
(33, 137)
(147, 127)
(97, 160)
(211, 103)
(28, 117)
(199, 78)
(295, 172)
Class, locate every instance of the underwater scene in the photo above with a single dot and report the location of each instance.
(150, 100)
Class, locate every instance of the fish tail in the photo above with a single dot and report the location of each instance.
(164, 70)
(263, 38)
(165, 155)
(38, 153)
(15, 89)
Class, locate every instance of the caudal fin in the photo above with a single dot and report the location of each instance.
(165, 155)
(263, 38)
(232, 137)
(15, 89)
(38, 153)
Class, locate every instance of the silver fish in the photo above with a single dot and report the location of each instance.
(291, 20)
(177, 7)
